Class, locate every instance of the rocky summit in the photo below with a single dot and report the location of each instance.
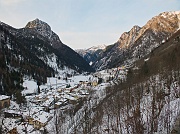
(41, 27)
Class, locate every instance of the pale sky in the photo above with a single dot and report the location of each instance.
(85, 23)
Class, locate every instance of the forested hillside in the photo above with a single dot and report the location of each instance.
(148, 102)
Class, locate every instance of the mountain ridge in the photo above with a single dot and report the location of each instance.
(139, 42)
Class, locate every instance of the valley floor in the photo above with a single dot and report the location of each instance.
(60, 104)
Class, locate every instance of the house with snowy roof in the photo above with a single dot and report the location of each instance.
(70, 98)
(4, 101)
(61, 102)
(49, 102)
(40, 119)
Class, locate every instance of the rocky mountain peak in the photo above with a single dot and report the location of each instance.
(41, 27)
(44, 29)
(135, 28)
(171, 13)
(127, 38)
(138, 42)
(164, 22)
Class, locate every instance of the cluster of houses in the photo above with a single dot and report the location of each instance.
(113, 74)
(37, 111)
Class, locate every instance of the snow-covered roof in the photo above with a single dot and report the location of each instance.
(4, 97)
(69, 97)
(13, 112)
(31, 110)
(48, 102)
(59, 103)
(41, 116)
(62, 99)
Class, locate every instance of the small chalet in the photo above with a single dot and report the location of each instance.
(40, 119)
(61, 102)
(4, 101)
(49, 102)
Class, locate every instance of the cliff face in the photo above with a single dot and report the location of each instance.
(139, 42)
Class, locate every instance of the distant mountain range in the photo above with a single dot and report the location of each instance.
(137, 43)
(91, 54)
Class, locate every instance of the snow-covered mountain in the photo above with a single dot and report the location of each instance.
(95, 48)
(139, 41)
(91, 54)
(35, 51)
(42, 28)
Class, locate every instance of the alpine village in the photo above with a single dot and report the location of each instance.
(129, 87)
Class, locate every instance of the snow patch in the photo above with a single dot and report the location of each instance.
(30, 87)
